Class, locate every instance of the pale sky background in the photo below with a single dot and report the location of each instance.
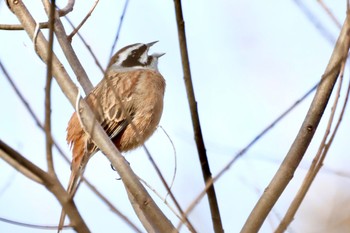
(250, 60)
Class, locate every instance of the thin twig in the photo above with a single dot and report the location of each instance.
(68, 8)
(47, 126)
(17, 27)
(69, 52)
(17, 165)
(119, 28)
(314, 20)
(161, 198)
(111, 206)
(329, 12)
(290, 163)
(87, 46)
(70, 37)
(27, 225)
(213, 203)
(62, 12)
(175, 161)
(160, 175)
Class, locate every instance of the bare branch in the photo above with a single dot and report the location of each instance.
(329, 12)
(70, 37)
(213, 203)
(183, 216)
(50, 182)
(303, 139)
(111, 206)
(16, 165)
(314, 20)
(88, 47)
(47, 127)
(119, 28)
(28, 224)
(16, 27)
(62, 12)
(68, 8)
(69, 52)
(317, 161)
(162, 198)
(175, 161)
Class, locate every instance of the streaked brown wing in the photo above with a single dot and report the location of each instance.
(112, 100)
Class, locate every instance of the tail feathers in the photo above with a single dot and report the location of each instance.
(73, 184)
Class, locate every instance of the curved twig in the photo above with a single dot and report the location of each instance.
(68, 8)
(70, 37)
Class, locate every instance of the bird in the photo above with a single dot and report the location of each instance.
(127, 102)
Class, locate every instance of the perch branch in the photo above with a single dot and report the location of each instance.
(50, 182)
(68, 51)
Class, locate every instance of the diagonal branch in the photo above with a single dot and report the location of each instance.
(76, 29)
(68, 51)
(305, 135)
(88, 47)
(47, 126)
(214, 208)
(50, 182)
(317, 161)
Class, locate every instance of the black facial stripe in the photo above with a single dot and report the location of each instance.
(149, 60)
(125, 48)
(133, 58)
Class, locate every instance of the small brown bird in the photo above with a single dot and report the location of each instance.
(128, 103)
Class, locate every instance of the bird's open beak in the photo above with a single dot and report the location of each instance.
(158, 55)
(152, 43)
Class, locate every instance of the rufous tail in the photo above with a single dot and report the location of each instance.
(72, 188)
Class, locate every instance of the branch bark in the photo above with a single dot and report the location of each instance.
(68, 51)
(296, 152)
(318, 160)
(202, 154)
(49, 181)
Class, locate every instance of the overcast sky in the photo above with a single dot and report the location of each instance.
(250, 60)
